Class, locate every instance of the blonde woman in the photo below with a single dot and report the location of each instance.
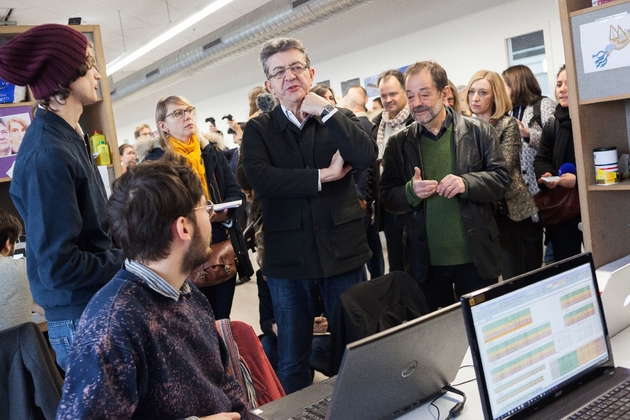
(175, 118)
(489, 101)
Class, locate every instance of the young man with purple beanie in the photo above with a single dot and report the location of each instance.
(56, 186)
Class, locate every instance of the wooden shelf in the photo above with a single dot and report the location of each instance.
(624, 185)
(599, 115)
(98, 116)
(11, 105)
(589, 7)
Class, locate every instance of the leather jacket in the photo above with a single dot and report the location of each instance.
(480, 162)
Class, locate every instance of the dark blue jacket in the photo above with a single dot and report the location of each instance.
(59, 193)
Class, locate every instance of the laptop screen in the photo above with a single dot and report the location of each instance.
(534, 334)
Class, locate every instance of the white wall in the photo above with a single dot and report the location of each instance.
(462, 46)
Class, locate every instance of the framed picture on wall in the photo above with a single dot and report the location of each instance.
(13, 124)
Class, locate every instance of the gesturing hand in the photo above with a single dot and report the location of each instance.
(423, 189)
(450, 186)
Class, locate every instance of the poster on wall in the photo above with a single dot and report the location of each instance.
(604, 42)
(371, 86)
(347, 84)
(13, 124)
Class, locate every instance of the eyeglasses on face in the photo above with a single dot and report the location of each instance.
(295, 69)
(209, 207)
(179, 113)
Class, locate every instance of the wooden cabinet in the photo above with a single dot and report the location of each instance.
(599, 104)
(98, 116)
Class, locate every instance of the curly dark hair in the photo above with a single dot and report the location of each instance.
(63, 92)
(146, 201)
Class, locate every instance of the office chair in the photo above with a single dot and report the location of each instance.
(27, 365)
(374, 306)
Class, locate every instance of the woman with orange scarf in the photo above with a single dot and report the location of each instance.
(178, 134)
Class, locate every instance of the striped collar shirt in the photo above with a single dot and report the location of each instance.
(156, 282)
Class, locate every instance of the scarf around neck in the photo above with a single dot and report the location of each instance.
(191, 151)
(396, 124)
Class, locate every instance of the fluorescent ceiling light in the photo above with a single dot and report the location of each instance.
(133, 55)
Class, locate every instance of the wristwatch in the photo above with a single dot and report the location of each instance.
(327, 110)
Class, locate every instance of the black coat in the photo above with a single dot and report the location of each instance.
(307, 233)
(480, 162)
(374, 177)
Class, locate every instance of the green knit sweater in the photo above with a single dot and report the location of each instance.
(446, 235)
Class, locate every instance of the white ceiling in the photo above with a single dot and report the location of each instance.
(142, 20)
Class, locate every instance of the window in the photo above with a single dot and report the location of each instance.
(529, 50)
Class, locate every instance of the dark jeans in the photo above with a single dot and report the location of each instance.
(445, 284)
(393, 228)
(294, 310)
(320, 351)
(566, 239)
(376, 264)
(221, 297)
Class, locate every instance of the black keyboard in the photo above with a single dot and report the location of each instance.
(315, 411)
(613, 405)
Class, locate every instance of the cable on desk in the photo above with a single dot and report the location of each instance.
(457, 408)
(469, 380)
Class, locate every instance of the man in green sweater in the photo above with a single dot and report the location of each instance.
(442, 173)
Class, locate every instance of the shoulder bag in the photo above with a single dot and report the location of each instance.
(558, 205)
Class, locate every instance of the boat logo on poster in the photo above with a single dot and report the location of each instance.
(613, 30)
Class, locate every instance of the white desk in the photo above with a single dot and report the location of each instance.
(472, 409)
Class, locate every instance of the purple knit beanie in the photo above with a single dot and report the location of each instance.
(44, 57)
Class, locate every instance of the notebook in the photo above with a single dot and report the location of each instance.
(614, 280)
(387, 374)
(540, 344)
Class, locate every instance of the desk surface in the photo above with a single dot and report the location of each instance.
(472, 410)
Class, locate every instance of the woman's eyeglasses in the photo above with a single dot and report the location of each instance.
(179, 113)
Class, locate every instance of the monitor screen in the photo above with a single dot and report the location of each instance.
(535, 334)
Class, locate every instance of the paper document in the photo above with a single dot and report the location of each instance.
(227, 205)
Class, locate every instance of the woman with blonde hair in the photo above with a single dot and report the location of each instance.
(175, 118)
(489, 101)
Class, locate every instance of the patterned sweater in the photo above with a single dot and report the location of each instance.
(520, 203)
(141, 355)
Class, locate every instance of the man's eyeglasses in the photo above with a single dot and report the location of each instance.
(295, 69)
(179, 113)
(209, 207)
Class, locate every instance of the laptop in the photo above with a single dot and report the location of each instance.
(614, 280)
(540, 344)
(384, 375)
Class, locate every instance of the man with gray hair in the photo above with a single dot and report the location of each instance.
(298, 158)
(442, 174)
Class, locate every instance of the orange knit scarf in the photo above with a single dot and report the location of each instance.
(191, 151)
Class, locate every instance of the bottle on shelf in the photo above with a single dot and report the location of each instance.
(103, 157)
(95, 139)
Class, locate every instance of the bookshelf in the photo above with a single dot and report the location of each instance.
(599, 104)
(98, 116)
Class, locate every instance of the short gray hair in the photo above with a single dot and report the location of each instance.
(278, 45)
